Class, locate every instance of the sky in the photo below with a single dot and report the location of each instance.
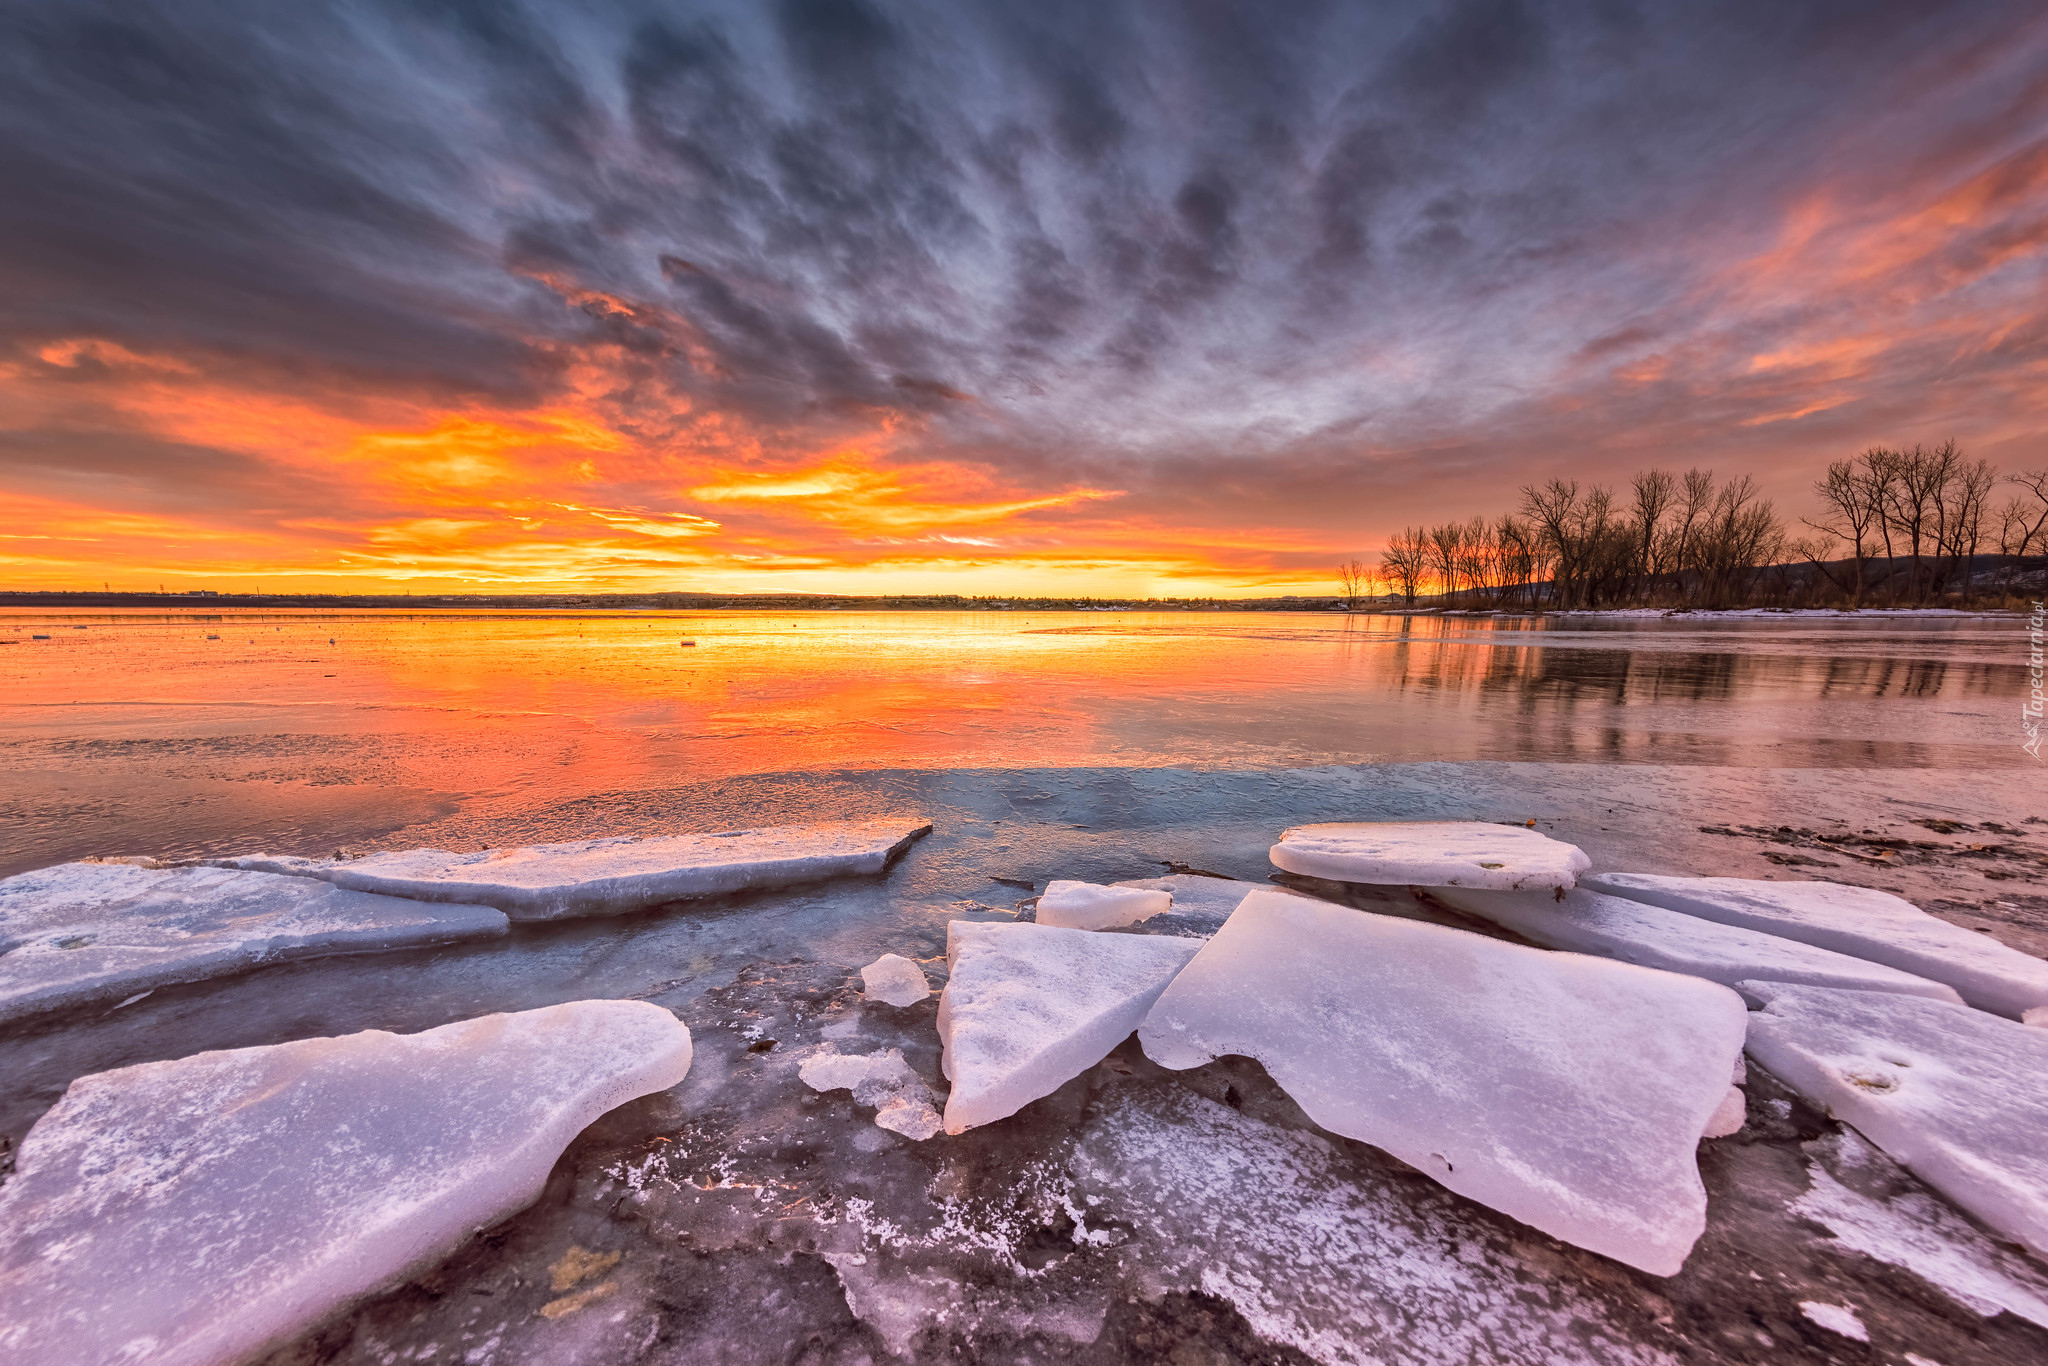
(1116, 298)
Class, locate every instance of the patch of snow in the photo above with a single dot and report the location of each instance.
(84, 932)
(901, 1100)
(1322, 1252)
(895, 980)
(201, 1210)
(2038, 1017)
(1506, 858)
(613, 876)
(1958, 1096)
(1859, 921)
(1090, 906)
(1875, 1208)
(1638, 932)
(1567, 1092)
(1028, 1007)
(1836, 1318)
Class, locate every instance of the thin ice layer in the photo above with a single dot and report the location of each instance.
(81, 933)
(1567, 1092)
(1027, 1007)
(613, 876)
(1091, 906)
(1957, 1095)
(1505, 858)
(1859, 921)
(1636, 932)
(198, 1211)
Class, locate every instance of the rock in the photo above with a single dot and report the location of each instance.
(1567, 1092)
(895, 980)
(1503, 858)
(1859, 921)
(1958, 1096)
(196, 1211)
(1088, 906)
(1027, 1007)
(81, 933)
(613, 876)
(1636, 932)
(901, 1101)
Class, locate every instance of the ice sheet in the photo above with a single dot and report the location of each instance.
(1027, 1007)
(1860, 921)
(1636, 932)
(1430, 854)
(1567, 1092)
(81, 933)
(1090, 906)
(1957, 1095)
(613, 876)
(194, 1212)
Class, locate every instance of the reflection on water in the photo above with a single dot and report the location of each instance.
(187, 732)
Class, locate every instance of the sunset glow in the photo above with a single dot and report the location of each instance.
(602, 327)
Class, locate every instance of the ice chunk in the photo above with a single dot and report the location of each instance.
(1636, 932)
(85, 932)
(884, 1081)
(1836, 1318)
(1728, 1116)
(612, 876)
(1957, 1095)
(1089, 906)
(199, 1211)
(1505, 858)
(1861, 921)
(1029, 1006)
(1200, 896)
(896, 980)
(1567, 1092)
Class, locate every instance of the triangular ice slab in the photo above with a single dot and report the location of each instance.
(1636, 932)
(613, 876)
(1027, 1007)
(1957, 1095)
(198, 1211)
(1567, 1092)
(1860, 921)
(81, 933)
(1505, 858)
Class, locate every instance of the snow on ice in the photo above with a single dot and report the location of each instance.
(1567, 1092)
(1957, 1095)
(884, 1081)
(1505, 858)
(1636, 932)
(1860, 921)
(197, 1211)
(1029, 1006)
(85, 932)
(1089, 906)
(895, 980)
(612, 876)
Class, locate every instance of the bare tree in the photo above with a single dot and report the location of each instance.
(1405, 561)
(1654, 490)
(1355, 582)
(1851, 516)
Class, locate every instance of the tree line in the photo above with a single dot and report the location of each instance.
(1895, 528)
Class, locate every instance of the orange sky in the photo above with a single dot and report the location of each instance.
(1175, 367)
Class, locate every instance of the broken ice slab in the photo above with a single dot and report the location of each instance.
(1028, 1007)
(1200, 903)
(1505, 858)
(1957, 1095)
(199, 1211)
(81, 933)
(1090, 906)
(1636, 932)
(1859, 921)
(613, 876)
(901, 1101)
(895, 980)
(1564, 1091)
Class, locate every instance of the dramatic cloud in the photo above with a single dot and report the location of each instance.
(1113, 297)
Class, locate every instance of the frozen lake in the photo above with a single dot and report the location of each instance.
(200, 733)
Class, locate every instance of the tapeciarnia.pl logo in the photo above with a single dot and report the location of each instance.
(2030, 710)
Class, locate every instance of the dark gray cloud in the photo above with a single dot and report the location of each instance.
(1071, 237)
